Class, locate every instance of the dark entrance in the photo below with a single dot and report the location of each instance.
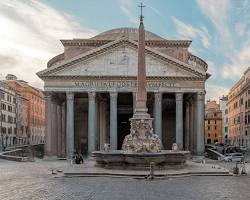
(125, 112)
(123, 127)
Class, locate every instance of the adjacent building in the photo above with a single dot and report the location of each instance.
(8, 115)
(213, 123)
(90, 92)
(239, 112)
(224, 111)
(30, 111)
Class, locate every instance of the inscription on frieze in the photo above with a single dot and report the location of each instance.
(122, 84)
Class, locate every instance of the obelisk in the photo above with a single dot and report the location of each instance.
(141, 93)
(141, 138)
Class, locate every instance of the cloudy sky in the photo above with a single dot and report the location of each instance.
(220, 31)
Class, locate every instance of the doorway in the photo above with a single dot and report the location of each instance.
(123, 127)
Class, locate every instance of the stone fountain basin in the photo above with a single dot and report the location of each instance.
(126, 160)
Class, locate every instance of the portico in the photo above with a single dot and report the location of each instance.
(90, 95)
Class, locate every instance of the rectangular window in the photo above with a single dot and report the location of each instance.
(215, 122)
(3, 106)
(208, 128)
(3, 118)
(10, 108)
(215, 127)
(226, 129)
(10, 130)
(10, 119)
(208, 121)
(1, 95)
(226, 111)
(3, 130)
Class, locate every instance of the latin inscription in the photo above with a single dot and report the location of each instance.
(121, 84)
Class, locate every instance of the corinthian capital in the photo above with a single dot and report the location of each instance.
(158, 97)
(70, 96)
(113, 95)
(179, 96)
(91, 96)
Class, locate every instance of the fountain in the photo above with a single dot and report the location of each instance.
(141, 147)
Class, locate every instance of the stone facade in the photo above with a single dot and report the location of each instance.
(30, 111)
(239, 112)
(224, 111)
(8, 116)
(213, 123)
(93, 85)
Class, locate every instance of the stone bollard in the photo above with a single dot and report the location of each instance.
(106, 147)
(151, 175)
(174, 147)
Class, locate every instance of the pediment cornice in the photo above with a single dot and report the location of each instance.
(112, 45)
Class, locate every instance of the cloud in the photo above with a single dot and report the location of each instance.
(212, 69)
(125, 6)
(240, 28)
(30, 34)
(238, 64)
(214, 91)
(191, 32)
(217, 11)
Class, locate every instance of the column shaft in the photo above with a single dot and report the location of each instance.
(59, 131)
(179, 120)
(200, 123)
(113, 120)
(70, 125)
(48, 123)
(158, 114)
(91, 122)
(63, 150)
(54, 125)
(187, 128)
(191, 125)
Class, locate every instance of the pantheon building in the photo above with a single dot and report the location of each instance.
(90, 92)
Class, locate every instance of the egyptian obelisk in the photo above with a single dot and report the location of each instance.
(141, 137)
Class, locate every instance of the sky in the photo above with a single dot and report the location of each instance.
(219, 29)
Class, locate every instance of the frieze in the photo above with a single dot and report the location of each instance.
(122, 84)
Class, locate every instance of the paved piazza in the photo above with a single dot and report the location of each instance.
(35, 181)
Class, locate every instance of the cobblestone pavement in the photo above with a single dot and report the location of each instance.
(26, 181)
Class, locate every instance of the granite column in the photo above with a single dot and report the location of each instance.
(158, 114)
(179, 120)
(113, 120)
(70, 124)
(91, 121)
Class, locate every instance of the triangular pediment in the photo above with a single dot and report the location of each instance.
(120, 59)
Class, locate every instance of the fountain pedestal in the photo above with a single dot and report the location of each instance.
(141, 137)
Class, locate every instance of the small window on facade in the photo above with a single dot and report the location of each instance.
(226, 129)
